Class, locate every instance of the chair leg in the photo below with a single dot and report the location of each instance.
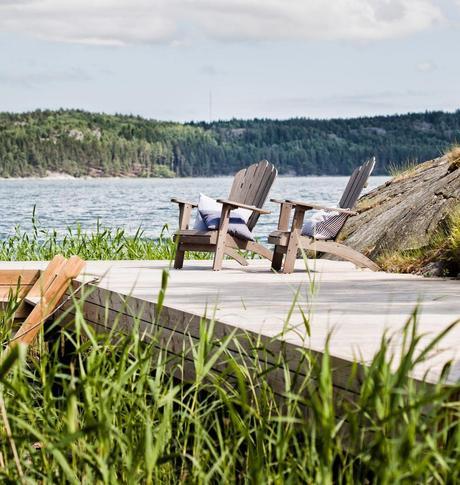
(294, 243)
(259, 249)
(179, 259)
(277, 261)
(236, 256)
(291, 253)
(221, 236)
(218, 258)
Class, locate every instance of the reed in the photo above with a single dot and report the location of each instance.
(116, 408)
(402, 169)
(110, 407)
(102, 243)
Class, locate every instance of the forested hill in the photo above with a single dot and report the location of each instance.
(81, 143)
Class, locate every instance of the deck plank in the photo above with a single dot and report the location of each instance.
(357, 306)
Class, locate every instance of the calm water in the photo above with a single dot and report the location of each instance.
(131, 203)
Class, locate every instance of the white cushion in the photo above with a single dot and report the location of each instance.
(208, 204)
(236, 225)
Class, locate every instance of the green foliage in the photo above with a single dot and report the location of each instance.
(453, 238)
(81, 143)
(163, 172)
(444, 248)
(108, 410)
(395, 170)
(453, 155)
(104, 243)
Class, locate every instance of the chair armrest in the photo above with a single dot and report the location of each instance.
(185, 211)
(285, 213)
(308, 205)
(278, 201)
(253, 208)
(179, 201)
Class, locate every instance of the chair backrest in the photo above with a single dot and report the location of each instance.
(252, 185)
(331, 227)
(355, 185)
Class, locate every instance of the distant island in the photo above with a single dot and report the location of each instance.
(78, 143)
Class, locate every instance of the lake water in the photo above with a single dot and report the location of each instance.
(131, 203)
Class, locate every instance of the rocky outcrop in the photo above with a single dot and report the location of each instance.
(408, 211)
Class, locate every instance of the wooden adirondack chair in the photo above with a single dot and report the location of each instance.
(40, 292)
(289, 241)
(249, 191)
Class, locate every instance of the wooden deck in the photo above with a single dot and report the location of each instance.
(357, 306)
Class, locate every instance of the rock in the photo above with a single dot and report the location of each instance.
(407, 211)
(76, 134)
(435, 268)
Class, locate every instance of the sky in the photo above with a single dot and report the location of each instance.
(186, 60)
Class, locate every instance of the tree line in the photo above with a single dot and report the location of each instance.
(81, 143)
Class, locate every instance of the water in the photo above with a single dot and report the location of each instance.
(131, 203)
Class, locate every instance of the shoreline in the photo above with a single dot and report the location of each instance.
(65, 176)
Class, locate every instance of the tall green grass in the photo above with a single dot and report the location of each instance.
(88, 407)
(109, 407)
(406, 168)
(443, 249)
(102, 243)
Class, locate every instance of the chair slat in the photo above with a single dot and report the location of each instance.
(251, 185)
(46, 303)
(349, 188)
(364, 176)
(356, 189)
(236, 185)
(353, 190)
(266, 183)
(248, 182)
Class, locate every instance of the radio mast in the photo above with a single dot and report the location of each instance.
(210, 106)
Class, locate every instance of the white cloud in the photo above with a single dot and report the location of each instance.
(426, 66)
(118, 22)
(30, 79)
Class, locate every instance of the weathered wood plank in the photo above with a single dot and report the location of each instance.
(46, 278)
(339, 250)
(103, 305)
(221, 237)
(48, 301)
(19, 291)
(179, 344)
(14, 277)
(293, 244)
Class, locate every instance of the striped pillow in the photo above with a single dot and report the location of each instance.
(324, 225)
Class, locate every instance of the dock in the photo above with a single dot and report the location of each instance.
(332, 298)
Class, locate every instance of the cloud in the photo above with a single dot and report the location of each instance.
(29, 79)
(119, 22)
(373, 100)
(210, 70)
(426, 66)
